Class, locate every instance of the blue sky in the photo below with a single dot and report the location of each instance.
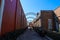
(37, 5)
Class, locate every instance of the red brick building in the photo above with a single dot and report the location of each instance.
(50, 19)
(47, 20)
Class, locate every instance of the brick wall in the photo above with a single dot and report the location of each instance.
(45, 16)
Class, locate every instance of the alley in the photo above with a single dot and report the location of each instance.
(32, 35)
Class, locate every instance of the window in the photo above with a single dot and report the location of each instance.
(57, 27)
(50, 24)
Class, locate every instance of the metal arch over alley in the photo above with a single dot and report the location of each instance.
(30, 16)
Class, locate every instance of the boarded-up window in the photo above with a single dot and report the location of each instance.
(49, 24)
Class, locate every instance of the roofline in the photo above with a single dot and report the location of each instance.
(56, 8)
(46, 10)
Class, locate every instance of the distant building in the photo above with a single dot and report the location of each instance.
(37, 21)
(30, 24)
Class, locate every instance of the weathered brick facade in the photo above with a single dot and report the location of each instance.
(46, 16)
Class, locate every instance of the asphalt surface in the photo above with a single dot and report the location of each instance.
(32, 35)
